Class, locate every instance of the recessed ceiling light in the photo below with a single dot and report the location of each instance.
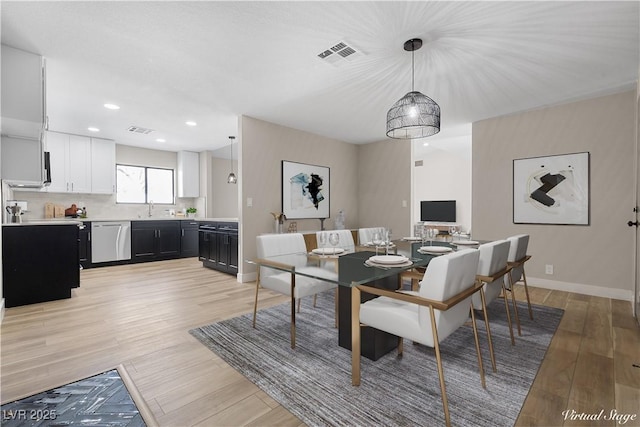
(426, 144)
(92, 129)
(112, 106)
(161, 140)
(190, 123)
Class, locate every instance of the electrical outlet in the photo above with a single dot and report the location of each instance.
(548, 269)
(249, 202)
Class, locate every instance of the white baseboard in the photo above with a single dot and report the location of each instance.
(1, 310)
(579, 288)
(247, 277)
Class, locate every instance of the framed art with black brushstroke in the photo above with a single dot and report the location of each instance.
(551, 190)
(305, 190)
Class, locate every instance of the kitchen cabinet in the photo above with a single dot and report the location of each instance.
(84, 244)
(103, 166)
(70, 163)
(22, 160)
(188, 174)
(80, 164)
(53, 249)
(218, 246)
(155, 240)
(188, 239)
(23, 93)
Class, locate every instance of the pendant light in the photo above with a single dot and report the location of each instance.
(415, 115)
(232, 179)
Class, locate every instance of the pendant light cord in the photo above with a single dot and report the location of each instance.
(413, 50)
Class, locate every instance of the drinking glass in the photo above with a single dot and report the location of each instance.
(387, 239)
(322, 241)
(376, 239)
(452, 231)
(334, 239)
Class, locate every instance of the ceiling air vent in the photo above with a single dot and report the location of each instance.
(339, 53)
(140, 130)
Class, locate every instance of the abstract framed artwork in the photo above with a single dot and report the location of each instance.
(305, 190)
(551, 190)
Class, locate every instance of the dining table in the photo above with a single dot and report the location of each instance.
(353, 271)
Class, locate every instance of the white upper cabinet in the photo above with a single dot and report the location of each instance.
(23, 93)
(103, 166)
(188, 174)
(80, 164)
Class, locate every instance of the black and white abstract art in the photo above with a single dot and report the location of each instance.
(305, 190)
(551, 190)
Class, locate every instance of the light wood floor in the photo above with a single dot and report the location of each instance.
(139, 315)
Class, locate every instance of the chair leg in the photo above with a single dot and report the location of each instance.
(526, 291)
(506, 307)
(400, 346)
(436, 346)
(315, 298)
(255, 304)
(515, 306)
(299, 301)
(486, 323)
(475, 334)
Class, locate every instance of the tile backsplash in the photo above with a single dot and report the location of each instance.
(101, 206)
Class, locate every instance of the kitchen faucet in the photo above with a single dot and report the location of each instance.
(150, 207)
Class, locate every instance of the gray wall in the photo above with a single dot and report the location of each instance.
(367, 182)
(596, 259)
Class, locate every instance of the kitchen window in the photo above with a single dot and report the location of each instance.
(141, 184)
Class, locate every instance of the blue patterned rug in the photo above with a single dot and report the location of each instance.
(313, 381)
(101, 400)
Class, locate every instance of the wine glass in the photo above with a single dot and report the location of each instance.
(452, 231)
(376, 239)
(334, 239)
(387, 239)
(322, 241)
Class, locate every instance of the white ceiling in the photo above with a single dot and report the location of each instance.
(168, 62)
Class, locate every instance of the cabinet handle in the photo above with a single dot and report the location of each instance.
(159, 233)
(67, 186)
(72, 186)
(89, 236)
(183, 232)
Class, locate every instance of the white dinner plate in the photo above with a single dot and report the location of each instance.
(370, 263)
(327, 251)
(388, 259)
(412, 239)
(466, 242)
(436, 249)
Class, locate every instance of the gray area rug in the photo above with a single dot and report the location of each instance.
(314, 381)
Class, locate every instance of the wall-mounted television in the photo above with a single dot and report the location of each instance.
(438, 210)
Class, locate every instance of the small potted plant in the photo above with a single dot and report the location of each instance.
(191, 212)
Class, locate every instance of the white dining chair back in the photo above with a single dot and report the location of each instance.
(365, 235)
(446, 276)
(493, 258)
(517, 251)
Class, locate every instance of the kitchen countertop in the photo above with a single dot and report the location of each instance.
(67, 221)
(45, 222)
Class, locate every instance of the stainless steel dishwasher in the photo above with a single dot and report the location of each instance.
(110, 241)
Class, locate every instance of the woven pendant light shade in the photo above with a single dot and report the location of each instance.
(415, 115)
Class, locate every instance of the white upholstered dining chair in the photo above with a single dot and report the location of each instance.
(291, 250)
(429, 316)
(365, 235)
(516, 260)
(492, 268)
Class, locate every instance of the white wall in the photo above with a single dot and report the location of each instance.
(596, 259)
(445, 174)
